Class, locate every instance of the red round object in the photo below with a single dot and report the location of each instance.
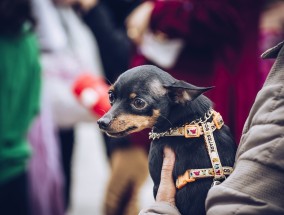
(92, 92)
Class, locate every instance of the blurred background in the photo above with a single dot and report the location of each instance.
(57, 61)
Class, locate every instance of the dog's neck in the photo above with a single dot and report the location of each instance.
(181, 114)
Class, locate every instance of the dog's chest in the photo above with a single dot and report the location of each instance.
(190, 153)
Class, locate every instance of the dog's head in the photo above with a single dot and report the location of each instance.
(143, 96)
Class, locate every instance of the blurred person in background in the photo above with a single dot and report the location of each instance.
(207, 43)
(20, 80)
(106, 19)
(271, 31)
(68, 49)
(128, 156)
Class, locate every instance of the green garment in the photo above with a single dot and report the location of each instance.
(19, 100)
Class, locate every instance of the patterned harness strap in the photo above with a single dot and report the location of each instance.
(196, 129)
(191, 175)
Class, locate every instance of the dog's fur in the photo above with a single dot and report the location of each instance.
(169, 103)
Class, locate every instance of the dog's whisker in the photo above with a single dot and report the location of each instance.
(103, 110)
(153, 128)
(167, 120)
(108, 80)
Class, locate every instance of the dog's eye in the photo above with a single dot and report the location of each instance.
(111, 97)
(139, 104)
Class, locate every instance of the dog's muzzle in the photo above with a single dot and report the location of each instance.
(104, 123)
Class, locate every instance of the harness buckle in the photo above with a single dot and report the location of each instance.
(215, 182)
(218, 120)
(191, 131)
(183, 180)
(218, 181)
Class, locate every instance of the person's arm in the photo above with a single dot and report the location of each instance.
(256, 185)
(165, 200)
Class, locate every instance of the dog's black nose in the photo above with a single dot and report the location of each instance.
(103, 123)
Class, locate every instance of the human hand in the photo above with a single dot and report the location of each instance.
(87, 4)
(138, 21)
(64, 2)
(167, 188)
(84, 4)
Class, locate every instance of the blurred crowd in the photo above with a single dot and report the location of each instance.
(46, 46)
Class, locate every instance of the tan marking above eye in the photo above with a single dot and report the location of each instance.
(132, 95)
(157, 88)
(111, 88)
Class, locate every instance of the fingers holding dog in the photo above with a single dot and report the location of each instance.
(167, 189)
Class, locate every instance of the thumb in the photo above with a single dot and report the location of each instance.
(167, 189)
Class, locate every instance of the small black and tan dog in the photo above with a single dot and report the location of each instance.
(181, 118)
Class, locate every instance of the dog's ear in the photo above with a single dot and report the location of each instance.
(181, 92)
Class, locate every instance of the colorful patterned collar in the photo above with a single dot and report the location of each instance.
(193, 129)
